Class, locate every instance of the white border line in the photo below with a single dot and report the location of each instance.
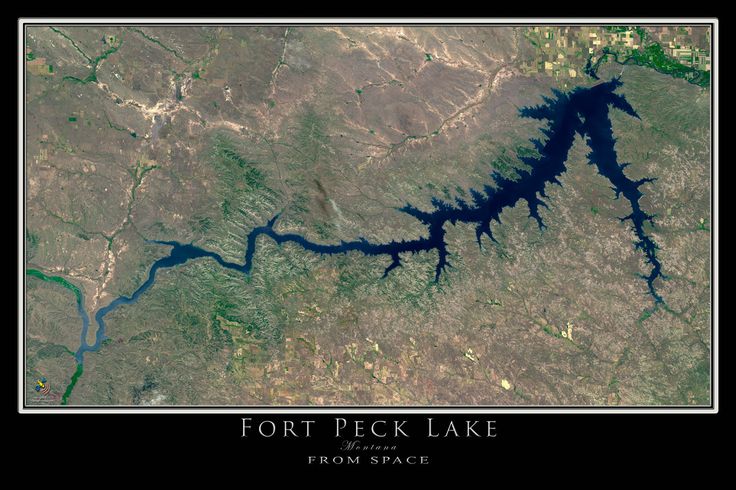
(715, 71)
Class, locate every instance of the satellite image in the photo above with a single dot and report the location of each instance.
(358, 216)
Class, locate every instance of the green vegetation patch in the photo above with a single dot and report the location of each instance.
(58, 280)
(654, 56)
(72, 383)
(225, 154)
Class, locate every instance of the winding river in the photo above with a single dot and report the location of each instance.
(582, 111)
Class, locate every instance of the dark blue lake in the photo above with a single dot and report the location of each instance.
(583, 111)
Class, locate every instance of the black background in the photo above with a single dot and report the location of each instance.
(526, 444)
